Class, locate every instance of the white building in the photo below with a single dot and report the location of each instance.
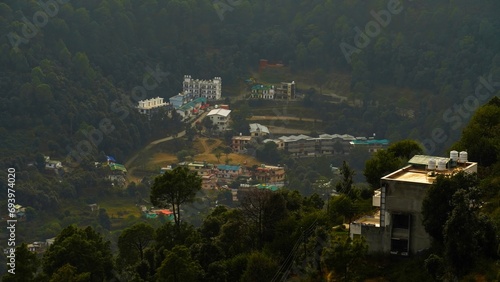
(220, 118)
(146, 106)
(210, 89)
(257, 130)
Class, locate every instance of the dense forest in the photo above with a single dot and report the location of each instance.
(66, 67)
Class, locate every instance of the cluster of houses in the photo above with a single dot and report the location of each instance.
(241, 144)
(37, 247)
(304, 145)
(114, 172)
(283, 91)
(220, 176)
(194, 98)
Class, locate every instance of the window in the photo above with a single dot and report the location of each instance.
(400, 246)
(401, 221)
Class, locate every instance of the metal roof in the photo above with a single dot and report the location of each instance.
(424, 159)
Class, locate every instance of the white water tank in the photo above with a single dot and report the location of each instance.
(462, 157)
(441, 165)
(431, 164)
(454, 156)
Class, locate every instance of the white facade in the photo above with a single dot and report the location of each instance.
(145, 106)
(210, 89)
(220, 118)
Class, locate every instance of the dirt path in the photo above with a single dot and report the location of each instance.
(130, 163)
(279, 130)
(283, 118)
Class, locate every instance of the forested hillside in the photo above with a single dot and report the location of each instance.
(72, 72)
(64, 65)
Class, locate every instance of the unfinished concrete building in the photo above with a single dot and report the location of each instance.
(397, 226)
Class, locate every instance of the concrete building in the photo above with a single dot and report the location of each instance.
(209, 89)
(285, 91)
(239, 143)
(326, 144)
(146, 107)
(220, 118)
(261, 91)
(209, 181)
(268, 174)
(397, 227)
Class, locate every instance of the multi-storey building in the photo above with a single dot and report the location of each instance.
(397, 227)
(210, 89)
(220, 118)
(285, 91)
(261, 91)
(268, 174)
(325, 144)
(146, 107)
(239, 143)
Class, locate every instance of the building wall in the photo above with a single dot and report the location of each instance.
(406, 198)
(210, 89)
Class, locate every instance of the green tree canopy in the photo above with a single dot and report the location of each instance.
(133, 241)
(174, 188)
(343, 257)
(481, 136)
(84, 249)
(179, 266)
(26, 265)
(386, 161)
(437, 204)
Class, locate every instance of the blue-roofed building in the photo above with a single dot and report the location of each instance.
(192, 107)
(228, 171)
(373, 145)
(178, 100)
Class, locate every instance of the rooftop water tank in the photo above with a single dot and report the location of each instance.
(441, 165)
(462, 157)
(431, 164)
(454, 156)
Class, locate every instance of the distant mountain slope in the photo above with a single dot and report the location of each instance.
(63, 65)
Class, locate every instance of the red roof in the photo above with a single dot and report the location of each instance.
(163, 211)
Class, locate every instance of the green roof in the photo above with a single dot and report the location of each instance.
(371, 142)
(261, 87)
(115, 166)
(268, 187)
(191, 104)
